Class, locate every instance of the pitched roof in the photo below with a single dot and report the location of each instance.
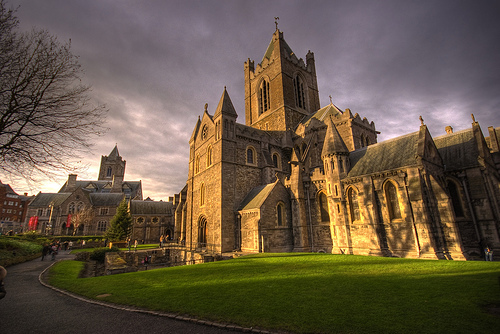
(256, 197)
(333, 142)
(106, 199)
(150, 207)
(225, 105)
(270, 47)
(459, 150)
(114, 153)
(45, 199)
(99, 185)
(322, 114)
(387, 155)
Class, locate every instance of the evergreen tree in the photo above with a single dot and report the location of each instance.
(121, 223)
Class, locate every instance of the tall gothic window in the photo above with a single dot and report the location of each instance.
(209, 156)
(202, 232)
(391, 195)
(264, 103)
(202, 194)
(353, 204)
(276, 160)
(456, 199)
(197, 164)
(280, 214)
(298, 87)
(323, 207)
(251, 156)
(109, 172)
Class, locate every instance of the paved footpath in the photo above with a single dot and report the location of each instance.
(30, 307)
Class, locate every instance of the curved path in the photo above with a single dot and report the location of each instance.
(30, 307)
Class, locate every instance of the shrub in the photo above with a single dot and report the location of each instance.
(99, 254)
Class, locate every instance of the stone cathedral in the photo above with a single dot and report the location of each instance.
(298, 177)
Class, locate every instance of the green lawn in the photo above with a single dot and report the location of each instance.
(311, 293)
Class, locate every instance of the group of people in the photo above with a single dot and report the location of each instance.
(53, 248)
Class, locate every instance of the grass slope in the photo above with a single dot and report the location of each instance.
(311, 293)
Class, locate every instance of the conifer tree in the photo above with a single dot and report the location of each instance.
(121, 223)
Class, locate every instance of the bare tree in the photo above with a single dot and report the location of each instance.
(47, 118)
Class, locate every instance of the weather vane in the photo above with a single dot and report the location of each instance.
(421, 120)
(276, 21)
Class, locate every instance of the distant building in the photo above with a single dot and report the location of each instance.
(300, 177)
(13, 209)
(84, 207)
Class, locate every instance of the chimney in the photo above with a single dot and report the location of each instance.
(71, 185)
(116, 186)
(448, 129)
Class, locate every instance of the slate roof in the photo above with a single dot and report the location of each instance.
(150, 207)
(225, 105)
(106, 199)
(387, 155)
(333, 142)
(321, 114)
(98, 185)
(270, 49)
(45, 199)
(256, 197)
(458, 150)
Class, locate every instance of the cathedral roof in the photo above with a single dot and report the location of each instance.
(195, 130)
(283, 44)
(225, 105)
(458, 150)
(321, 114)
(150, 207)
(256, 197)
(114, 153)
(390, 154)
(333, 142)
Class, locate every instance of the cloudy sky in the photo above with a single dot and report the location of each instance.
(156, 63)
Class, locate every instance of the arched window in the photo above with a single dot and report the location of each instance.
(209, 156)
(109, 172)
(71, 207)
(202, 194)
(197, 164)
(456, 199)
(298, 87)
(251, 156)
(101, 226)
(280, 214)
(264, 104)
(353, 204)
(202, 232)
(276, 160)
(323, 207)
(391, 195)
(79, 206)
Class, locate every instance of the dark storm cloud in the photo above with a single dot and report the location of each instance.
(156, 63)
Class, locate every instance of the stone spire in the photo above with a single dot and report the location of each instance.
(333, 142)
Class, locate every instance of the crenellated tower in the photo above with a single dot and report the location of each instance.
(282, 89)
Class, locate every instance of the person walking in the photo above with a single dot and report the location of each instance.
(54, 252)
(135, 245)
(45, 251)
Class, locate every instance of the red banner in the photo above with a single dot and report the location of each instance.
(68, 221)
(33, 223)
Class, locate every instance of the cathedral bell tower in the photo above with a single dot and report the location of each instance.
(282, 89)
(112, 166)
